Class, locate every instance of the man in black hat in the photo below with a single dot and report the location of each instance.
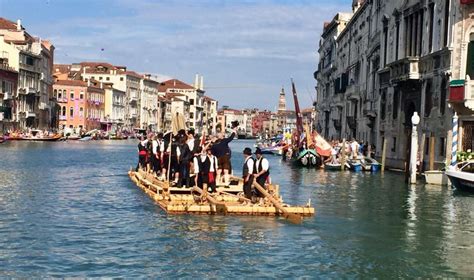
(262, 170)
(247, 172)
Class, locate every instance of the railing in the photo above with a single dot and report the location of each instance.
(405, 69)
(62, 118)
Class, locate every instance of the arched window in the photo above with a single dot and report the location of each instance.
(71, 112)
(60, 94)
(443, 96)
(81, 112)
(470, 58)
(55, 93)
(63, 111)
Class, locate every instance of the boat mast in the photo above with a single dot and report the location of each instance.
(299, 118)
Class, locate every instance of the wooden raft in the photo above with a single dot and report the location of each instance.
(228, 200)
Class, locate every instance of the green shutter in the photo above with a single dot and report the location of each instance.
(470, 60)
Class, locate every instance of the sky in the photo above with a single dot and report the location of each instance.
(246, 50)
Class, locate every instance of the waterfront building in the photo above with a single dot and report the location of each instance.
(8, 87)
(82, 105)
(192, 94)
(390, 59)
(258, 122)
(148, 103)
(114, 107)
(227, 115)
(33, 59)
(209, 115)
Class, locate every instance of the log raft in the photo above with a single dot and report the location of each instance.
(227, 201)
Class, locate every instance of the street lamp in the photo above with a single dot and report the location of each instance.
(415, 120)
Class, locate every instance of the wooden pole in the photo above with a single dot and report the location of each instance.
(294, 218)
(432, 152)
(384, 153)
(343, 154)
(422, 151)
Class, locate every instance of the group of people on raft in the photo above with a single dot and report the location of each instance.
(188, 160)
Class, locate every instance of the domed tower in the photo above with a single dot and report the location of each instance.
(282, 101)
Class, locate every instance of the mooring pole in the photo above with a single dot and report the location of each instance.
(415, 120)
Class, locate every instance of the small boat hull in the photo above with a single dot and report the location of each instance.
(436, 177)
(333, 167)
(308, 158)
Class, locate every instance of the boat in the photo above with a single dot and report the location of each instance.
(462, 176)
(333, 166)
(226, 201)
(38, 138)
(436, 177)
(308, 158)
(86, 138)
(370, 164)
(355, 165)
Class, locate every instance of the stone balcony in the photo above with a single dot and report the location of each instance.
(353, 91)
(469, 94)
(404, 69)
(28, 91)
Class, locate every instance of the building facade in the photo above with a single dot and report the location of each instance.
(389, 60)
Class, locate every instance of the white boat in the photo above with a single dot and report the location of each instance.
(462, 176)
(436, 177)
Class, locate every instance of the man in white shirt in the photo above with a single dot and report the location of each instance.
(262, 170)
(248, 172)
(354, 148)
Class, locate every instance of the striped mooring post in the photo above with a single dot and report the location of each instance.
(455, 140)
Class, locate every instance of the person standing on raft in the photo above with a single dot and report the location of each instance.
(247, 172)
(262, 170)
(222, 151)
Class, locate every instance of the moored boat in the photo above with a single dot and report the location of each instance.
(436, 177)
(370, 164)
(462, 176)
(333, 166)
(53, 138)
(308, 158)
(355, 165)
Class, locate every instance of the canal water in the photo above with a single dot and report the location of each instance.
(69, 209)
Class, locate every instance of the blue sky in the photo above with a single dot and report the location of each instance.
(252, 48)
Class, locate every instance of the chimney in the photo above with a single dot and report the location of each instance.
(201, 84)
(88, 82)
(18, 24)
(196, 81)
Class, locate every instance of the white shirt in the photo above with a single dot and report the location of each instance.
(202, 158)
(250, 160)
(190, 143)
(265, 164)
(154, 147)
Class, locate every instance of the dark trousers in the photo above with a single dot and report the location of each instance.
(248, 187)
(155, 163)
(184, 174)
(141, 162)
(261, 181)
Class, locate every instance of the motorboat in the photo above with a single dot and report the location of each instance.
(370, 164)
(436, 177)
(462, 176)
(355, 165)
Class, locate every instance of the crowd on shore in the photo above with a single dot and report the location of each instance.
(187, 160)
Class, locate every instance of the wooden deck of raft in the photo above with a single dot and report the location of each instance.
(227, 202)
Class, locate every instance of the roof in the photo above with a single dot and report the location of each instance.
(74, 83)
(134, 74)
(61, 68)
(207, 98)
(7, 24)
(173, 84)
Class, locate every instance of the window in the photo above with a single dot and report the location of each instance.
(446, 22)
(385, 43)
(383, 104)
(191, 101)
(443, 95)
(100, 78)
(121, 79)
(55, 93)
(396, 97)
(428, 99)
(72, 95)
(60, 94)
(397, 39)
(63, 113)
(71, 112)
(470, 58)
(430, 42)
(107, 78)
(427, 145)
(442, 146)
(81, 112)
(394, 144)
(81, 95)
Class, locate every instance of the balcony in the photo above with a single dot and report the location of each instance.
(62, 118)
(27, 114)
(44, 106)
(404, 70)
(133, 98)
(371, 113)
(353, 91)
(29, 90)
(462, 93)
(62, 100)
(133, 115)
